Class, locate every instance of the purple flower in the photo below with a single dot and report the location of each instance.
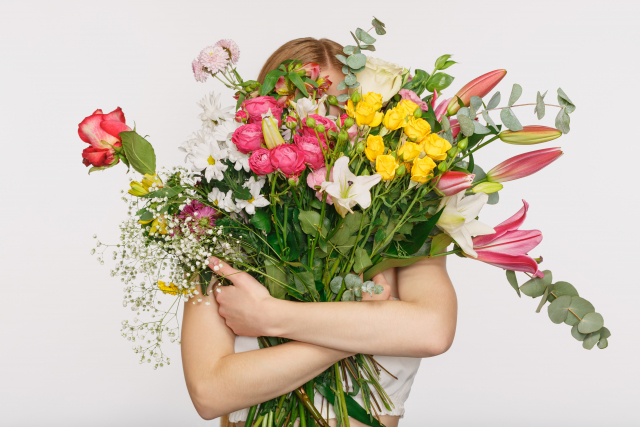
(198, 217)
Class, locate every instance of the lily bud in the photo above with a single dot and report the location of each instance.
(523, 165)
(332, 100)
(487, 187)
(530, 135)
(453, 182)
(271, 133)
(478, 87)
(355, 97)
(320, 128)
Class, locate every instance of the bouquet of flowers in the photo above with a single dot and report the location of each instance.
(315, 205)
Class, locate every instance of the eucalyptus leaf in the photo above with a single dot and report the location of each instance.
(364, 36)
(480, 129)
(352, 281)
(494, 101)
(348, 50)
(493, 199)
(578, 308)
(576, 334)
(559, 289)
(513, 281)
(476, 102)
(487, 118)
(591, 340)
(516, 91)
(343, 97)
(559, 309)
(347, 295)
(604, 333)
(349, 79)
(533, 287)
(342, 59)
(466, 124)
(336, 284)
(342, 86)
(591, 322)
(564, 101)
(355, 85)
(510, 120)
(603, 343)
(563, 121)
(540, 107)
(357, 60)
(358, 70)
(345, 69)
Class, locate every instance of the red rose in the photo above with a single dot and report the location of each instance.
(258, 106)
(288, 158)
(311, 150)
(102, 131)
(248, 138)
(260, 162)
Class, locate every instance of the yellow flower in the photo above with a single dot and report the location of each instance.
(142, 188)
(394, 119)
(410, 151)
(367, 114)
(171, 289)
(374, 99)
(375, 147)
(416, 129)
(349, 108)
(421, 170)
(407, 107)
(435, 147)
(159, 225)
(386, 166)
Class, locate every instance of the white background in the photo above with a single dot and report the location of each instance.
(62, 361)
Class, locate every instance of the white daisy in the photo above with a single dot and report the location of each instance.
(213, 113)
(217, 198)
(208, 156)
(257, 200)
(229, 204)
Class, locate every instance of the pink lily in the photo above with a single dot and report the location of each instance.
(508, 247)
(453, 182)
(523, 165)
(477, 87)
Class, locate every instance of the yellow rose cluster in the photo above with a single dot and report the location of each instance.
(367, 110)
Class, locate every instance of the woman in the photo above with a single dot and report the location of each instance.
(415, 317)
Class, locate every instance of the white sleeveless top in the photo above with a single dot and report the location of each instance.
(404, 368)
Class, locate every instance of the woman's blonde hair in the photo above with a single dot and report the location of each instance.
(306, 49)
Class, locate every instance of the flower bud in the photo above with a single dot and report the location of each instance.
(462, 145)
(360, 147)
(523, 165)
(530, 135)
(343, 136)
(320, 128)
(452, 151)
(442, 166)
(478, 87)
(453, 182)
(487, 187)
(311, 122)
(348, 122)
(401, 170)
(293, 181)
(332, 100)
(355, 97)
(418, 113)
(291, 124)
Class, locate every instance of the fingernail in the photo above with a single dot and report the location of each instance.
(213, 261)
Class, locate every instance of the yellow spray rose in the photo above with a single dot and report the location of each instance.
(375, 99)
(393, 119)
(386, 166)
(407, 107)
(417, 129)
(435, 147)
(367, 114)
(350, 109)
(421, 170)
(410, 151)
(375, 147)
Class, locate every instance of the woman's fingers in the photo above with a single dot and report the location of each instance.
(379, 279)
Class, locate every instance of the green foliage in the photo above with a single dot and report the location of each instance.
(139, 152)
(261, 220)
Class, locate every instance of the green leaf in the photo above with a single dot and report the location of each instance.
(336, 284)
(603, 343)
(362, 260)
(533, 287)
(354, 409)
(563, 121)
(559, 309)
(305, 282)
(309, 221)
(559, 289)
(270, 81)
(513, 281)
(564, 101)
(576, 334)
(346, 247)
(364, 36)
(591, 322)
(350, 79)
(261, 220)
(380, 235)
(439, 81)
(139, 152)
(441, 61)
(439, 243)
(516, 91)
(352, 221)
(591, 340)
(349, 49)
(579, 308)
(540, 107)
(297, 81)
(466, 124)
(472, 163)
(494, 101)
(420, 234)
(276, 275)
(448, 64)
(164, 192)
(418, 83)
(510, 120)
(99, 168)
(390, 263)
(341, 236)
(357, 60)
(342, 59)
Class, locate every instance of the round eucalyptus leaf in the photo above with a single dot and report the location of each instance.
(604, 333)
(345, 69)
(548, 277)
(603, 343)
(533, 288)
(357, 60)
(591, 322)
(576, 334)
(351, 281)
(559, 289)
(558, 309)
(336, 284)
(347, 296)
(358, 293)
(350, 79)
(577, 310)
(377, 289)
(590, 340)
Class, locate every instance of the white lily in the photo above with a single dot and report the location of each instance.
(306, 106)
(346, 189)
(257, 200)
(458, 219)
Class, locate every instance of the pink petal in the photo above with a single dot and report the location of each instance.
(517, 242)
(91, 132)
(510, 224)
(510, 262)
(116, 114)
(114, 127)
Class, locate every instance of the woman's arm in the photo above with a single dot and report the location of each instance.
(422, 324)
(220, 381)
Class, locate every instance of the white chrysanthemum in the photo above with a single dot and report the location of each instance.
(232, 48)
(240, 160)
(208, 156)
(217, 197)
(213, 114)
(214, 58)
(199, 74)
(224, 131)
(229, 204)
(257, 200)
(189, 145)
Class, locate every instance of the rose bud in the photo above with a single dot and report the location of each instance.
(478, 87)
(530, 135)
(102, 131)
(453, 182)
(332, 100)
(523, 165)
(241, 116)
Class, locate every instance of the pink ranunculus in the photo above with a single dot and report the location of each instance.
(316, 178)
(288, 158)
(328, 124)
(411, 96)
(258, 106)
(102, 131)
(241, 116)
(312, 69)
(248, 138)
(508, 247)
(313, 155)
(260, 162)
(352, 131)
(98, 157)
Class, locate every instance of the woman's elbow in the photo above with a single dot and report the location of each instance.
(204, 401)
(436, 341)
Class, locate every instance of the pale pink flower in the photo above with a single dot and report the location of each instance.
(232, 48)
(214, 58)
(199, 74)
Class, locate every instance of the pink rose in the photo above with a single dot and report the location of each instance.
(288, 158)
(316, 178)
(311, 150)
(102, 131)
(328, 124)
(411, 96)
(256, 107)
(248, 138)
(260, 162)
(241, 116)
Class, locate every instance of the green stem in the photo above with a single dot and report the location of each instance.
(341, 399)
(251, 415)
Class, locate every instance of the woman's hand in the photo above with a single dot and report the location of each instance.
(379, 279)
